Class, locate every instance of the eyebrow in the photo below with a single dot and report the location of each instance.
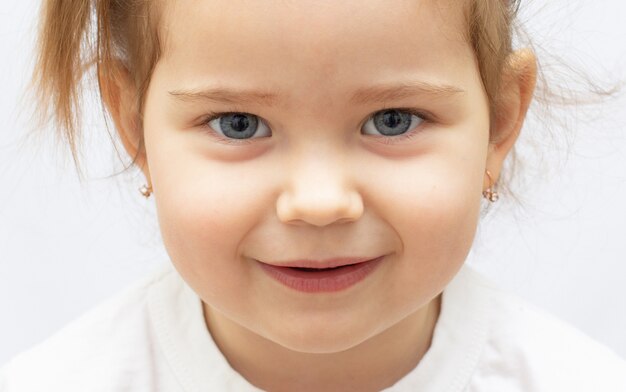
(381, 93)
(399, 91)
(232, 96)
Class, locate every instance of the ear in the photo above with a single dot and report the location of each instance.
(119, 96)
(516, 92)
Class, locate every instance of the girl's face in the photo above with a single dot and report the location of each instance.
(318, 172)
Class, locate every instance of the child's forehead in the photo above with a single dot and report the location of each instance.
(318, 24)
(327, 40)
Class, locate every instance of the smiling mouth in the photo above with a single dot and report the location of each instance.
(318, 269)
(313, 265)
(309, 279)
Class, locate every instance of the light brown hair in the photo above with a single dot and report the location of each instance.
(74, 36)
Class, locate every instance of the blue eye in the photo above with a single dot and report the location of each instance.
(236, 125)
(391, 125)
(393, 122)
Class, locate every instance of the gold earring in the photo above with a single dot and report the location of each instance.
(489, 193)
(145, 190)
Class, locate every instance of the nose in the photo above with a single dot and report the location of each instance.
(319, 192)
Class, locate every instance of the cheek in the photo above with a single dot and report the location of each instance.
(444, 223)
(204, 211)
(434, 207)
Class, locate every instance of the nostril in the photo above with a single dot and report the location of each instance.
(310, 207)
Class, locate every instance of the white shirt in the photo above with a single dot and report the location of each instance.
(152, 337)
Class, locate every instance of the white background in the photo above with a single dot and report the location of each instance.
(66, 245)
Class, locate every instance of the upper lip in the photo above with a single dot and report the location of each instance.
(326, 263)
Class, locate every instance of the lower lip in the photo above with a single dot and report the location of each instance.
(327, 280)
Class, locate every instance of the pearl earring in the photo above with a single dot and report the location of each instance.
(145, 190)
(489, 193)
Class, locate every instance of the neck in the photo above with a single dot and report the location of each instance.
(372, 365)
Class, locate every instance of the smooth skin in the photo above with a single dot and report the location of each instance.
(318, 179)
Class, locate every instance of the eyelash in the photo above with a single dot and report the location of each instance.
(382, 139)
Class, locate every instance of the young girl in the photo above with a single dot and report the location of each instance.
(318, 170)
